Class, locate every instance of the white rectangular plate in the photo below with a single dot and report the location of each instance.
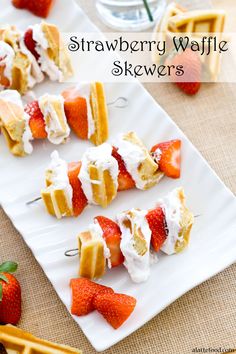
(213, 243)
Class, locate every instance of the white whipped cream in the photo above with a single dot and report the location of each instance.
(35, 74)
(47, 65)
(84, 91)
(157, 155)
(138, 266)
(60, 180)
(97, 232)
(7, 55)
(132, 155)
(54, 129)
(172, 209)
(14, 97)
(101, 157)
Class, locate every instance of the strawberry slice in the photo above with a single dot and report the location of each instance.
(125, 181)
(169, 157)
(112, 236)
(157, 224)
(115, 308)
(30, 43)
(79, 199)
(83, 292)
(39, 8)
(36, 121)
(76, 113)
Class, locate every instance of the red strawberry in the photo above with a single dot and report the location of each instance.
(112, 236)
(30, 43)
(83, 292)
(115, 308)
(190, 82)
(39, 8)
(79, 199)
(157, 224)
(10, 294)
(125, 181)
(76, 113)
(170, 158)
(36, 122)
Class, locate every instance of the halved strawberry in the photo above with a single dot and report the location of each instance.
(76, 113)
(83, 292)
(125, 181)
(157, 224)
(170, 158)
(79, 199)
(36, 121)
(39, 8)
(112, 236)
(115, 308)
(30, 43)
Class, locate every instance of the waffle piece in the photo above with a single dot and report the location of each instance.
(99, 113)
(135, 243)
(92, 258)
(12, 121)
(57, 195)
(179, 222)
(7, 55)
(52, 107)
(11, 36)
(99, 174)
(16, 341)
(138, 161)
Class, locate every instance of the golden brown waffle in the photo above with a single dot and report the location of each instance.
(104, 191)
(17, 341)
(92, 259)
(20, 69)
(99, 112)
(187, 220)
(148, 169)
(52, 106)
(57, 51)
(56, 202)
(12, 125)
(11, 36)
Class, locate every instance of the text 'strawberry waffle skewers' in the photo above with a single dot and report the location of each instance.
(26, 57)
(82, 108)
(104, 170)
(135, 237)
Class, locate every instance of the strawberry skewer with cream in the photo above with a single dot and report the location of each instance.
(104, 171)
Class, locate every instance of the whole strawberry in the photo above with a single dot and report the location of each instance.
(10, 294)
(190, 82)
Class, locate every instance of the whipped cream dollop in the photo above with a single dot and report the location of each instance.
(7, 56)
(172, 208)
(138, 266)
(13, 96)
(101, 157)
(97, 233)
(56, 123)
(84, 90)
(47, 65)
(58, 169)
(132, 155)
(34, 72)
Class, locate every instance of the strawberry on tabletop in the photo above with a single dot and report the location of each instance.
(10, 294)
(169, 157)
(112, 237)
(190, 82)
(39, 8)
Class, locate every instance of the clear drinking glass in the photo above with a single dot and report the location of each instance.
(129, 15)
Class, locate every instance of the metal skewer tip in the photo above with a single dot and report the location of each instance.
(71, 253)
(120, 102)
(33, 201)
